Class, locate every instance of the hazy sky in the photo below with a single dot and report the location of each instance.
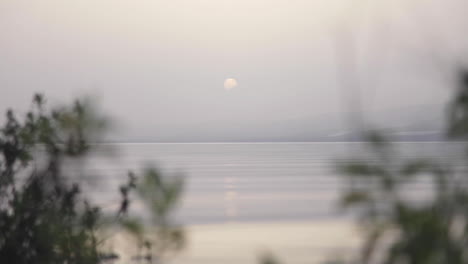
(158, 67)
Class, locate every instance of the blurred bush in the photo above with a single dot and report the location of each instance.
(401, 230)
(44, 216)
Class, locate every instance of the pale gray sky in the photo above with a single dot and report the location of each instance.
(158, 66)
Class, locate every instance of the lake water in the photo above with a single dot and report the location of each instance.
(248, 182)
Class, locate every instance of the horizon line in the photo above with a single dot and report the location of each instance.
(269, 142)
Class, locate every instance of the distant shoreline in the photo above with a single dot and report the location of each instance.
(269, 142)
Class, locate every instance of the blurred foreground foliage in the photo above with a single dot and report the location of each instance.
(44, 216)
(399, 228)
(400, 224)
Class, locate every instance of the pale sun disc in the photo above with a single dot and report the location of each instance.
(230, 83)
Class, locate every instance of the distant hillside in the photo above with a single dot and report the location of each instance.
(416, 123)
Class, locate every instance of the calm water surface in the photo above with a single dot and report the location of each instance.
(245, 182)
